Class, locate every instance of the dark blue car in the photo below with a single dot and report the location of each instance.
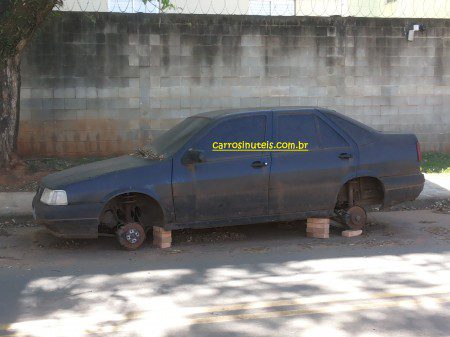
(235, 167)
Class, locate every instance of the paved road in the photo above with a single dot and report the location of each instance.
(394, 281)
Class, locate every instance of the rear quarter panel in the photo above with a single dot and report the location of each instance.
(392, 158)
(389, 155)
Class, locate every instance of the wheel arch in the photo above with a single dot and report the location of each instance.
(370, 188)
(148, 192)
(154, 213)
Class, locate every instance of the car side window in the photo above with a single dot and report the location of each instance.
(361, 133)
(328, 137)
(234, 130)
(297, 127)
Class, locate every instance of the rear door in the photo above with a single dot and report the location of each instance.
(307, 181)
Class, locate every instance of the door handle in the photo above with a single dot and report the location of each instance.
(259, 164)
(345, 155)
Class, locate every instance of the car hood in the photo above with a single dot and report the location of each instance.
(94, 170)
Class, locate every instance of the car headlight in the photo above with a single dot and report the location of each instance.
(54, 197)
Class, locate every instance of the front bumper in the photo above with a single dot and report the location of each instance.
(78, 221)
(398, 189)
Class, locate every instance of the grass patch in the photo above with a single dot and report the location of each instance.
(56, 164)
(435, 162)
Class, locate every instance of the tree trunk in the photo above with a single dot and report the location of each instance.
(9, 108)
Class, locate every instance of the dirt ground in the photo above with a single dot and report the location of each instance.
(25, 174)
(20, 179)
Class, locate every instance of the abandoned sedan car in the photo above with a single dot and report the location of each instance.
(235, 167)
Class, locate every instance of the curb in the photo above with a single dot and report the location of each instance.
(16, 203)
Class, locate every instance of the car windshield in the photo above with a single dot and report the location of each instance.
(172, 140)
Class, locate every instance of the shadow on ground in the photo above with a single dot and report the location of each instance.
(260, 280)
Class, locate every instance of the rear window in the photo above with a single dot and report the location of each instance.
(362, 134)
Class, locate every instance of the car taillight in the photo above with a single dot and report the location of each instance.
(419, 153)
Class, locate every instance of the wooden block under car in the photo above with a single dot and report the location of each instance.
(317, 235)
(351, 233)
(324, 221)
(318, 228)
(160, 230)
(318, 231)
(161, 237)
(158, 241)
(317, 225)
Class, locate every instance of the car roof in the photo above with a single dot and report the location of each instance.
(227, 112)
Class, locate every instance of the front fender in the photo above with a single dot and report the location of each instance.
(147, 191)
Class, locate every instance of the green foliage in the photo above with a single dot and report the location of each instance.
(165, 4)
(19, 20)
(435, 162)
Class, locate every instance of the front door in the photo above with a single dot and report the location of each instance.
(227, 184)
(307, 181)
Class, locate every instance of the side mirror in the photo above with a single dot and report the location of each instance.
(193, 156)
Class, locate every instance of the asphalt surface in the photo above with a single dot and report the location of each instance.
(259, 280)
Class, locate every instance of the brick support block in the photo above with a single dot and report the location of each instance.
(317, 231)
(324, 221)
(317, 236)
(351, 233)
(161, 237)
(318, 228)
(317, 225)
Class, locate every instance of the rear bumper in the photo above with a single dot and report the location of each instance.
(69, 221)
(402, 188)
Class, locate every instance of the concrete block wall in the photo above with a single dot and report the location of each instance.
(104, 86)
